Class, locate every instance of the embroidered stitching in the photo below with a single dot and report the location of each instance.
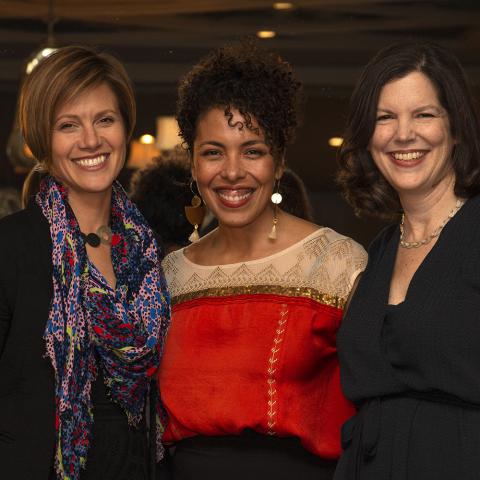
(272, 368)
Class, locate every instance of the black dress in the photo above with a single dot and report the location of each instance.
(118, 450)
(414, 368)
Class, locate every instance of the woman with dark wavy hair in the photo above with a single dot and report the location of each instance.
(408, 344)
(250, 375)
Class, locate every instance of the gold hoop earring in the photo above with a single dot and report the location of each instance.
(276, 199)
(195, 213)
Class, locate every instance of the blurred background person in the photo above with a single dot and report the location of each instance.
(408, 344)
(10, 201)
(250, 375)
(83, 305)
(160, 192)
(294, 196)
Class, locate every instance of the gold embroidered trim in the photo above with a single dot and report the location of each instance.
(272, 368)
(306, 292)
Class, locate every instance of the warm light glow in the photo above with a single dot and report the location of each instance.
(26, 151)
(266, 34)
(147, 139)
(335, 141)
(38, 58)
(283, 5)
(167, 133)
(141, 154)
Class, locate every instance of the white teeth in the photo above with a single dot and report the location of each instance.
(408, 156)
(235, 197)
(92, 162)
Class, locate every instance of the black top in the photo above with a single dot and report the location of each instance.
(414, 368)
(27, 403)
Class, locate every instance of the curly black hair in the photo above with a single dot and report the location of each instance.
(160, 192)
(243, 76)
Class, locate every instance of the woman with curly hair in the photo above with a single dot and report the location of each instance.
(408, 345)
(250, 375)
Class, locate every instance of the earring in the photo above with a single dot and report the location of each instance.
(276, 199)
(195, 213)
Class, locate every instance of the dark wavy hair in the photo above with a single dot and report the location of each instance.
(243, 76)
(363, 185)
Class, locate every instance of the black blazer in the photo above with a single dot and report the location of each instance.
(27, 400)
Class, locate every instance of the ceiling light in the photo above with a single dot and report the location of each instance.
(147, 139)
(44, 53)
(266, 34)
(335, 141)
(283, 5)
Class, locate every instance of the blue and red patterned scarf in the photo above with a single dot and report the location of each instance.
(91, 326)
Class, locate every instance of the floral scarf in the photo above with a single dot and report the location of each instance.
(123, 328)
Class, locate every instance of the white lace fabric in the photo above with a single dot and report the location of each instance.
(322, 266)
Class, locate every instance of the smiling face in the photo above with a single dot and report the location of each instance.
(234, 169)
(88, 142)
(412, 143)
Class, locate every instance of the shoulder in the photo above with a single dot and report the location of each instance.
(171, 265)
(15, 227)
(336, 245)
(469, 214)
(22, 231)
(335, 261)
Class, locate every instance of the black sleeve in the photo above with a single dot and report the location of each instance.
(8, 278)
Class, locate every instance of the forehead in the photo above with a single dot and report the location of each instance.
(215, 124)
(414, 89)
(99, 97)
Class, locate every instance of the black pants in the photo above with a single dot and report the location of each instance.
(250, 456)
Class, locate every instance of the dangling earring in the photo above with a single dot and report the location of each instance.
(276, 199)
(195, 214)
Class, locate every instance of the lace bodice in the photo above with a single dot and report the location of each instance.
(322, 266)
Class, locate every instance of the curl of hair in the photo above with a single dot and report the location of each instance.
(363, 185)
(242, 76)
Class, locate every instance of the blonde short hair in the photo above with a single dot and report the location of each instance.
(63, 75)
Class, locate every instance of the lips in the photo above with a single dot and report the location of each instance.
(234, 197)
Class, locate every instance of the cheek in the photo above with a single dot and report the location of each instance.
(59, 149)
(379, 139)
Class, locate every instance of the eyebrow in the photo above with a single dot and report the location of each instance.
(99, 114)
(423, 107)
(248, 143)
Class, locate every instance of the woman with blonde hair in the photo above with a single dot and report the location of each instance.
(83, 306)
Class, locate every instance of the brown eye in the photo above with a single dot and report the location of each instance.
(383, 118)
(107, 120)
(66, 126)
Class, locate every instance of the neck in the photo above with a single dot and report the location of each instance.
(249, 240)
(425, 212)
(92, 210)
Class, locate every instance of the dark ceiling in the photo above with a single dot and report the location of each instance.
(328, 40)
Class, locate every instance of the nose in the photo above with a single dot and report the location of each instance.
(405, 130)
(233, 168)
(89, 139)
